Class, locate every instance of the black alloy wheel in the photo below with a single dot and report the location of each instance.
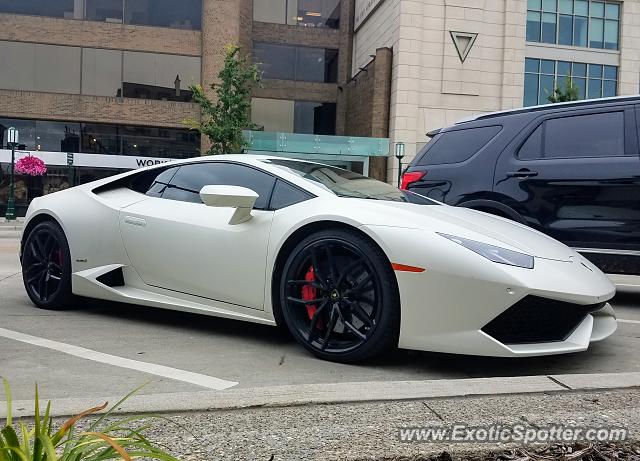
(339, 297)
(46, 267)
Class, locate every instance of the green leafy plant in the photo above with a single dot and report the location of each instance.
(569, 92)
(222, 121)
(116, 440)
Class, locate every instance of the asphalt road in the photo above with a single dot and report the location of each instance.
(98, 350)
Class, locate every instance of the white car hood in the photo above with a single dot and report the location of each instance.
(476, 225)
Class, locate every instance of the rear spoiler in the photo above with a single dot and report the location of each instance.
(432, 133)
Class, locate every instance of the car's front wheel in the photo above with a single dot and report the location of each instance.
(46, 267)
(339, 297)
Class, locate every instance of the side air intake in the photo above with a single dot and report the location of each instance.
(114, 278)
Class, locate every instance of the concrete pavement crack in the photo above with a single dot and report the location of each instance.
(559, 383)
(433, 411)
(9, 276)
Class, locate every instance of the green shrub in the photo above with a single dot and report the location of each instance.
(102, 440)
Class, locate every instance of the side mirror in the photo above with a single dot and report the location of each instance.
(240, 198)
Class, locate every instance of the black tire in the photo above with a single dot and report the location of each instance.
(356, 310)
(46, 267)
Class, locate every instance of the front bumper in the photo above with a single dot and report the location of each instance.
(448, 307)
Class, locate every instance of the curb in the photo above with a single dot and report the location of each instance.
(335, 393)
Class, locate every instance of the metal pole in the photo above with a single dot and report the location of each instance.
(399, 172)
(11, 203)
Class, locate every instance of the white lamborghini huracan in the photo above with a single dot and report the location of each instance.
(352, 266)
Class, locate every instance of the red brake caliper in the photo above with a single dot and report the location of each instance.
(309, 292)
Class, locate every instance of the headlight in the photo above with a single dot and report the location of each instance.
(494, 253)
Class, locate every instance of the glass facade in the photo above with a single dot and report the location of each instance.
(183, 14)
(305, 13)
(542, 76)
(306, 117)
(289, 62)
(98, 138)
(585, 23)
(97, 72)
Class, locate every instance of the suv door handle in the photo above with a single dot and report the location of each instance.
(522, 173)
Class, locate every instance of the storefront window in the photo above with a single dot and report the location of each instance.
(100, 139)
(314, 118)
(158, 142)
(185, 14)
(26, 130)
(57, 136)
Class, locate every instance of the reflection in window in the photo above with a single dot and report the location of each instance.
(592, 80)
(306, 13)
(99, 138)
(185, 14)
(294, 116)
(101, 72)
(159, 76)
(52, 8)
(36, 67)
(288, 62)
(588, 23)
(104, 10)
(57, 136)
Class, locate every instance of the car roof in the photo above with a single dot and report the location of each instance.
(549, 107)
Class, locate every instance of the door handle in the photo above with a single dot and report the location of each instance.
(135, 221)
(522, 174)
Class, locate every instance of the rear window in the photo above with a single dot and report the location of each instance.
(457, 146)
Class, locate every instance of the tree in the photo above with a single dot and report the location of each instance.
(569, 92)
(222, 121)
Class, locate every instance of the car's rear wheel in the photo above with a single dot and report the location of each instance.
(339, 297)
(46, 267)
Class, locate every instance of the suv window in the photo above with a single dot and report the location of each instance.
(592, 135)
(187, 182)
(457, 146)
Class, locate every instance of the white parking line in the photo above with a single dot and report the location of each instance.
(209, 382)
(629, 321)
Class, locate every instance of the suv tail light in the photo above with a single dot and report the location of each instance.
(411, 177)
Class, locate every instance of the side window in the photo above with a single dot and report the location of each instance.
(191, 178)
(285, 195)
(592, 135)
(457, 146)
(153, 182)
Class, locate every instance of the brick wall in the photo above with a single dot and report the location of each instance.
(365, 101)
(50, 106)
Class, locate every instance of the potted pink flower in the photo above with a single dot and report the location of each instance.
(31, 166)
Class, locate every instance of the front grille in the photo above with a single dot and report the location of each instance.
(538, 320)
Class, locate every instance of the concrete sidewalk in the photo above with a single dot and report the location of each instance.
(358, 431)
(354, 421)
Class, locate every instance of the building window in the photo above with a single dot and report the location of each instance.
(306, 13)
(99, 138)
(289, 62)
(585, 23)
(288, 116)
(57, 69)
(51, 8)
(185, 14)
(37, 67)
(159, 76)
(543, 75)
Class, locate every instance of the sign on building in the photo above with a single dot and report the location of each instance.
(364, 9)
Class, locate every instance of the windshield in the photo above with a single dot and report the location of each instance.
(346, 183)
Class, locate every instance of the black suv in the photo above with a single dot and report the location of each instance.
(569, 170)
